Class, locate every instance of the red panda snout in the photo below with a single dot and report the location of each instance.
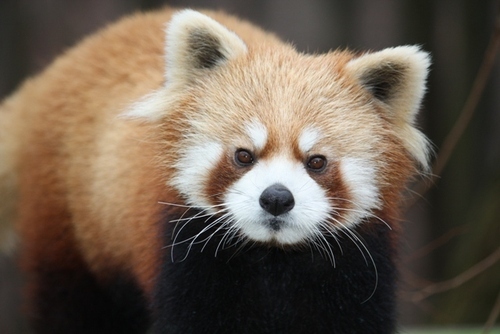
(276, 200)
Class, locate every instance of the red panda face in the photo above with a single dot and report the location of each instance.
(281, 147)
(280, 167)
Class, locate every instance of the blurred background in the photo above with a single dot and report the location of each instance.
(450, 263)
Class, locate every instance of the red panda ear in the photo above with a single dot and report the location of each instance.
(194, 43)
(396, 77)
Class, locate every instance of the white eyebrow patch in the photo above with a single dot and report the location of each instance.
(258, 134)
(308, 139)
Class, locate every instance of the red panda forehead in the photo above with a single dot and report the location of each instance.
(278, 87)
(298, 74)
(281, 73)
(286, 97)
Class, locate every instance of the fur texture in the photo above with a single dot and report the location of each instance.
(210, 178)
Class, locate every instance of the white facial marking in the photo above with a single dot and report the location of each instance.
(360, 177)
(258, 134)
(308, 139)
(299, 224)
(193, 169)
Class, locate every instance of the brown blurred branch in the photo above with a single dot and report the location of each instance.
(436, 243)
(451, 140)
(492, 318)
(457, 280)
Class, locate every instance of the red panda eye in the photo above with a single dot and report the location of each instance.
(316, 163)
(243, 157)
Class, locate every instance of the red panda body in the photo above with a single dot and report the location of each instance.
(218, 181)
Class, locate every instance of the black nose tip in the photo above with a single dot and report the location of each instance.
(277, 200)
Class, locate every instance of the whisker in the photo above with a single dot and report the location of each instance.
(347, 233)
(223, 240)
(187, 221)
(364, 212)
(230, 234)
(190, 206)
(332, 232)
(193, 238)
(224, 223)
(367, 214)
(325, 245)
(201, 214)
(357, 241)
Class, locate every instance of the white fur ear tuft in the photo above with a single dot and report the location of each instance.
(150, 107)
(397, 78)
(195, 42)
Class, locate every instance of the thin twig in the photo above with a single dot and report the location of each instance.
(414, 281)
(466, 114)
(470, 105)
(493, 316)
(457, 280)
(436, 243)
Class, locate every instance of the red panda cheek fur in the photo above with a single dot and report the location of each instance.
(221, 177)
(113, 234)
(332, 181)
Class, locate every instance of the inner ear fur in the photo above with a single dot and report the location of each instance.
(384, 82)
(205, 49)
(394, 76)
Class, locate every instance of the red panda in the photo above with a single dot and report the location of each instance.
(208, 178)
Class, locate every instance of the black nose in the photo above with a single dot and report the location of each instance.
(277, 199)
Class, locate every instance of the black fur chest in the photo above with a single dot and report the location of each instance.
(210, 284)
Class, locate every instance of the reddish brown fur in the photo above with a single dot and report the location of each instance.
(227, 173)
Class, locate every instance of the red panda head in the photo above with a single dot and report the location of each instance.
(284, 147)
